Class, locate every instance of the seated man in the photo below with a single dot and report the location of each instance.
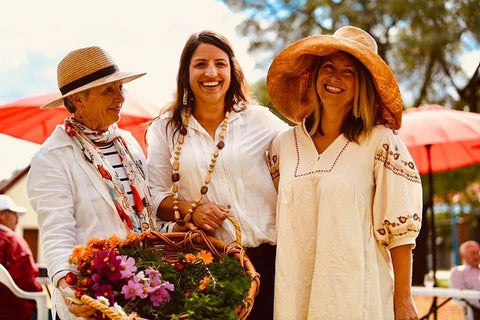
(467, 275)
(17, 258)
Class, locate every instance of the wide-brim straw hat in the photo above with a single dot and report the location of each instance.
(291, 75)
(86, 68)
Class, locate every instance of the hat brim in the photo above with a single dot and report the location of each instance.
(118, 76)
(290, 78)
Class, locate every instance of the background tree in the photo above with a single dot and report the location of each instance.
(421, 40)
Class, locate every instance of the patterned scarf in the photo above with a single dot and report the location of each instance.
(138, 218)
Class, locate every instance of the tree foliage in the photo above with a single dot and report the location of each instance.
(421, 40)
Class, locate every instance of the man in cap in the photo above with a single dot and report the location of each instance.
(17, 258)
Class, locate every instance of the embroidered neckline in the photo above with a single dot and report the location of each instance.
(297, 150)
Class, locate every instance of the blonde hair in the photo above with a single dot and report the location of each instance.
(362, 117)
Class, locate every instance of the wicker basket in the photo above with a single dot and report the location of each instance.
(172, 243)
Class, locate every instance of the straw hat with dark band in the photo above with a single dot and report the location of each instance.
(84, 69)
(290, 77)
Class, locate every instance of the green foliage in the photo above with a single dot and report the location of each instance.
(225, 289)
(455, 181)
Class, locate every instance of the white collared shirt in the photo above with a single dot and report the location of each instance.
(240, 178)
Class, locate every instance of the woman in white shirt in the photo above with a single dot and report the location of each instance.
(206, 157)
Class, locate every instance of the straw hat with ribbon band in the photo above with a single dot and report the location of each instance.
(84, 69)
(291, 75)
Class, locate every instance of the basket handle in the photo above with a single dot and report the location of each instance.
(238, 234)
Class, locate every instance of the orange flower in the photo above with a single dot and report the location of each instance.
(77, 254)
(205, 256)
(131, 238)
(190, 258)
(204, 282)
(113, 241)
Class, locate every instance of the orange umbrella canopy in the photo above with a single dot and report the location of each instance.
(24, 120)
(453, 137)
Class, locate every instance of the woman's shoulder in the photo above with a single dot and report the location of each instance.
(288, 133)
(161, 120)
(382, 133)
(257, 110)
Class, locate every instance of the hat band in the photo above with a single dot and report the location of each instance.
(88, 78)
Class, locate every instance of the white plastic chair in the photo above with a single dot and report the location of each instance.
(39, 297)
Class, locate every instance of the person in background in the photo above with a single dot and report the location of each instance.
(207, 157)
(467, 275)
(89, 177)
(349, 194)
(17, 258)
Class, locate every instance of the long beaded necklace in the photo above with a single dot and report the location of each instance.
(176, 167)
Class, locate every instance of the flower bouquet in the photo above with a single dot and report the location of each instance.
(164, 276)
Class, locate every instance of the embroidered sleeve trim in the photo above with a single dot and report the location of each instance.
(391, 160)
(402, 227)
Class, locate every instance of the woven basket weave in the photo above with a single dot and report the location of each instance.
(172, 243)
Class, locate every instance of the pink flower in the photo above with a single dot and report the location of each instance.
(128, 267)
(132, 289)
(159, 294)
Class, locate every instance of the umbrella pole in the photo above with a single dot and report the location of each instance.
(433, 234)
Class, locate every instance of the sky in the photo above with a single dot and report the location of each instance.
(141, 36)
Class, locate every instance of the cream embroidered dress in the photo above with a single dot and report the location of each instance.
(337, 215)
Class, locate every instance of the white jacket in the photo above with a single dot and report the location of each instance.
(72, 204)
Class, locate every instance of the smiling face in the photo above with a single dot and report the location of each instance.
(209, 71)
(100, 107)
(335, 82)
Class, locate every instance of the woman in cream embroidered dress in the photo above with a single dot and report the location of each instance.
(349, 195)
(206, 157)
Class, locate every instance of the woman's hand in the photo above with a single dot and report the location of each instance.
(186, 227)
(405, 308)
(209, 216)
(75, 306)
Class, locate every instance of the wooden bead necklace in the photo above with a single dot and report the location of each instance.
(176, 167)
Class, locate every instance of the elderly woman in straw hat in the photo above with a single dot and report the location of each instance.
(349, 195)
(88, 179)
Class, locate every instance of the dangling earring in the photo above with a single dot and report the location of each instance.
(185, 97)
(235, 100)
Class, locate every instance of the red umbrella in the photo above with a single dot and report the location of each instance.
(24, 120)
(451, 136)
(440, 139)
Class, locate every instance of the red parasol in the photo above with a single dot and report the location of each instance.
(439, 139)
(24, 120)
(452, 136)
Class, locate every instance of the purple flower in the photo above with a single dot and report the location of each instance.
(159, 294)
(104, 290)
(108, 264)
(128, 267)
